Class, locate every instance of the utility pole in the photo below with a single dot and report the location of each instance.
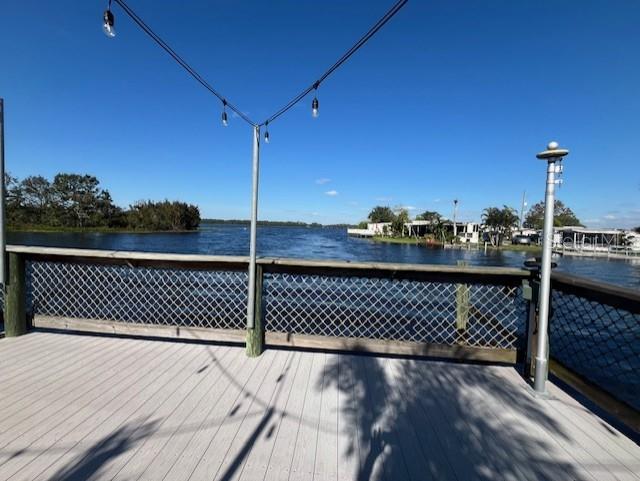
(553, 155)
(523, 205)
(251, 294)
(455, 212)
(3, 220)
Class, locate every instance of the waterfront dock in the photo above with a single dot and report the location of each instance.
(133, 365)
(87, 407)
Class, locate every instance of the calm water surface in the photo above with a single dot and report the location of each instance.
(321, 243)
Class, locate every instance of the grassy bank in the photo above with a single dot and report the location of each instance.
(397, 240)
(534, 249)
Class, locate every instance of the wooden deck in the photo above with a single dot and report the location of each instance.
(80, 407)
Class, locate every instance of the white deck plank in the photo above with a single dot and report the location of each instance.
(425, 454)
(107, 421)
(594, 435)
(15, 350)
(349, 410)
(256, 420)
(383, 444)
(56, 373)
(50, 360)
(219, 443)
(279, 463)
(47, 442)
(182, 429)
(326, 464)
(66, 397)
(304, 455)
(175, 413)
(258, 459)
(103, 408)
(218, 414)
(141, 417)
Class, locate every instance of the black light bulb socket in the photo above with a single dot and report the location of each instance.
(108, 18)
(315, 104)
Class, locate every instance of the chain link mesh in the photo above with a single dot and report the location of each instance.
(599, 342)
(402, 310)
(179, 297)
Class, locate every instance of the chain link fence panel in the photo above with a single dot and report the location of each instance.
(478, 315)
(146, 295)
(599, 342)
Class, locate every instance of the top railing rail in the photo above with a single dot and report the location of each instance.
(605, 293)
(335, 268)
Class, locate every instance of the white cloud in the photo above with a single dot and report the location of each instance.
(437, 200)
(609, 216)
(384, 199)
(331, 193)
(322, 181)
(353, 203)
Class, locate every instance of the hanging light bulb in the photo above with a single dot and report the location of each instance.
(225, 120)
(107, 22)
(315, 105)
(266, 132)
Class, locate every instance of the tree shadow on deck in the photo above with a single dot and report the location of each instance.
(411, 419)
(88, 465)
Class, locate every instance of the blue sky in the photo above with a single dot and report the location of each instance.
(450, 100)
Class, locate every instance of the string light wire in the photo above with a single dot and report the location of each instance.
(364, 39)
(156, 38)
(314, 86)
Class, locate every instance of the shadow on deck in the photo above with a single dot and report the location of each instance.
(79, 408)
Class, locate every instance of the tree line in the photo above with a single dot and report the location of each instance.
(78, 201)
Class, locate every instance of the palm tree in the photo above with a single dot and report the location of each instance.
(499, 222)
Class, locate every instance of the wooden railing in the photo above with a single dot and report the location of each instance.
(379, 307)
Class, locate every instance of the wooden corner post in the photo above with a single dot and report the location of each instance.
(463, 295)
(15, 309)
(255, 336)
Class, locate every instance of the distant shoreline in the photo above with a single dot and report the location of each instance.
(91, 230)
(420, 242)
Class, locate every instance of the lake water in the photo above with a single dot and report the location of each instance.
(321, 243)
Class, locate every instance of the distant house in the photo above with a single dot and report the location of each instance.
(467, 232)
(373, 229)
(581, 238)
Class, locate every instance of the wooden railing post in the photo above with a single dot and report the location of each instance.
(255, 336)
(462, 306)
(15, 312)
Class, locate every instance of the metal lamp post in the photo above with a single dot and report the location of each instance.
(553, 155)
(251, 295)
(455, 225)
(3, 233)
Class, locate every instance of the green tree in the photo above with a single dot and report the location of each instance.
(381, 214)
(74, 200)
(637, 229)
(499, 222)
(430, 215)
(562, 216)
(165, 215)
(397, 225)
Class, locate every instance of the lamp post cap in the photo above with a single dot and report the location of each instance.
(553, 151)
